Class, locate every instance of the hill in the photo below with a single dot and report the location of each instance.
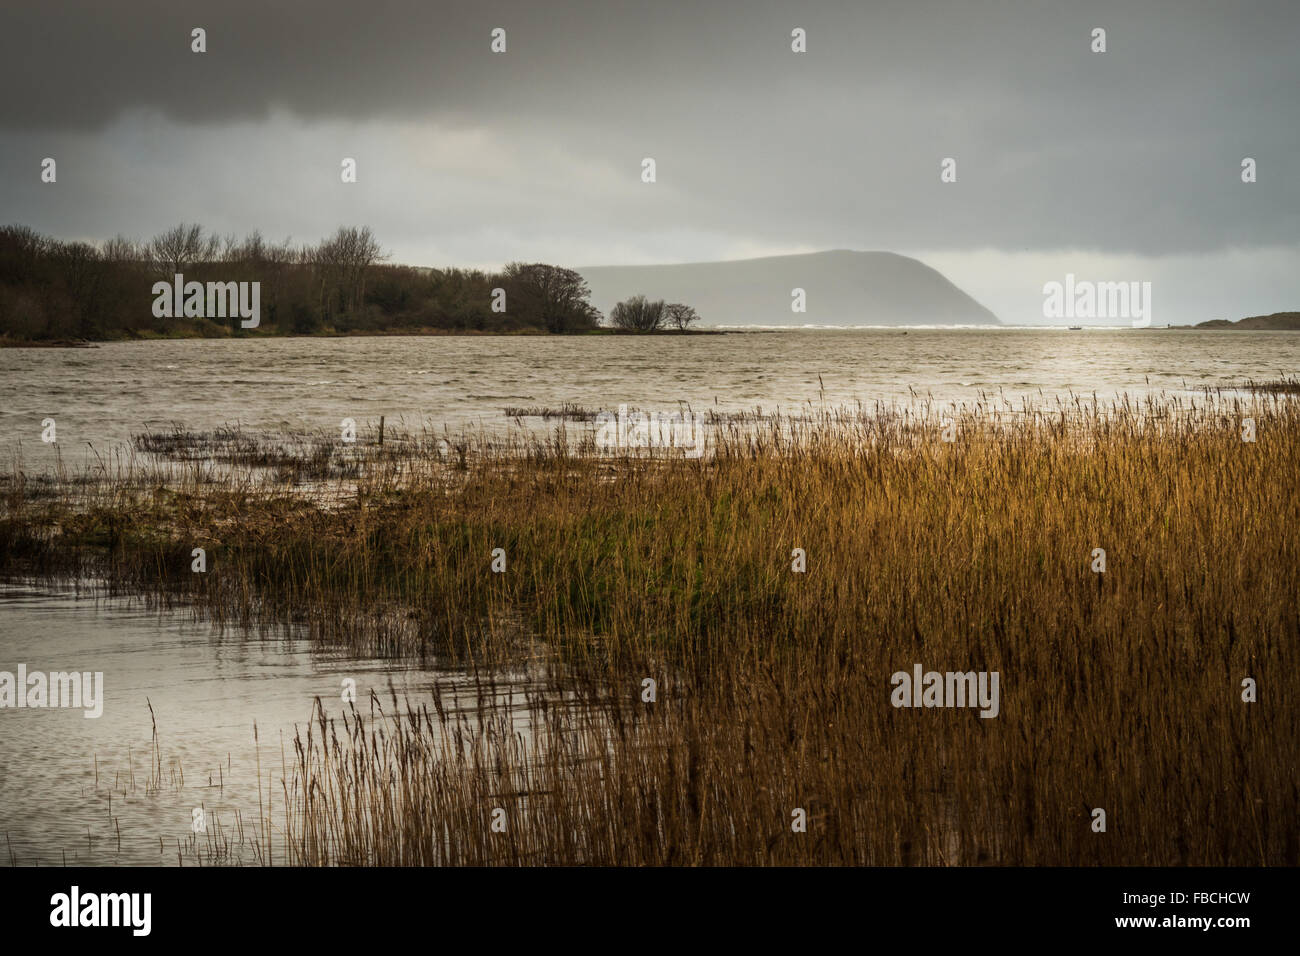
(842, 287)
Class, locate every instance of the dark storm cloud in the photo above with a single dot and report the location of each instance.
(1134, 150)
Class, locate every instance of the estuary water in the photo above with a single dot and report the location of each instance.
(89, 790)
(98, 398)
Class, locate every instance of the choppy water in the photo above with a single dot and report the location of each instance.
(100, 397)
(207, 691)
(75, 788)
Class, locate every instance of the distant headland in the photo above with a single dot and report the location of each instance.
(1277, 322)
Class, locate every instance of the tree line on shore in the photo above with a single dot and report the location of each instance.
(57, 290)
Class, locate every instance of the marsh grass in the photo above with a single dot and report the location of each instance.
(566, 412)
(1282, 386)
(1120, 691)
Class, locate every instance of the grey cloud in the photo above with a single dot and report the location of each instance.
(1136, 150)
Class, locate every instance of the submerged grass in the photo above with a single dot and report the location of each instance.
(1120, 691)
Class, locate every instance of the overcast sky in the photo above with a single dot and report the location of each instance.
(1123, 165)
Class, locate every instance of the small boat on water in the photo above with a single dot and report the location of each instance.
(1075, 328)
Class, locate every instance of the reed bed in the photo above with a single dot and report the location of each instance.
(1120, 690)
(1290, 385)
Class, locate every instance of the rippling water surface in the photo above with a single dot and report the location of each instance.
(100, 397)
(77, 789)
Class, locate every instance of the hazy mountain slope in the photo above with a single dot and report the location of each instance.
(842, 287)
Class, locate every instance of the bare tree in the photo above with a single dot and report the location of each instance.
(342, 262)
(79, 264)
(170, 252)
(120, 249)
(21, 247)
(680, 316)
(638, 314)
(253, 250)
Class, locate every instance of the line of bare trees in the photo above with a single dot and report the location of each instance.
(52, 289)
(639, 314)
(339, 263)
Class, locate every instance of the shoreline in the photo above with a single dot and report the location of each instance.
(391, 333)
(1217, 325)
